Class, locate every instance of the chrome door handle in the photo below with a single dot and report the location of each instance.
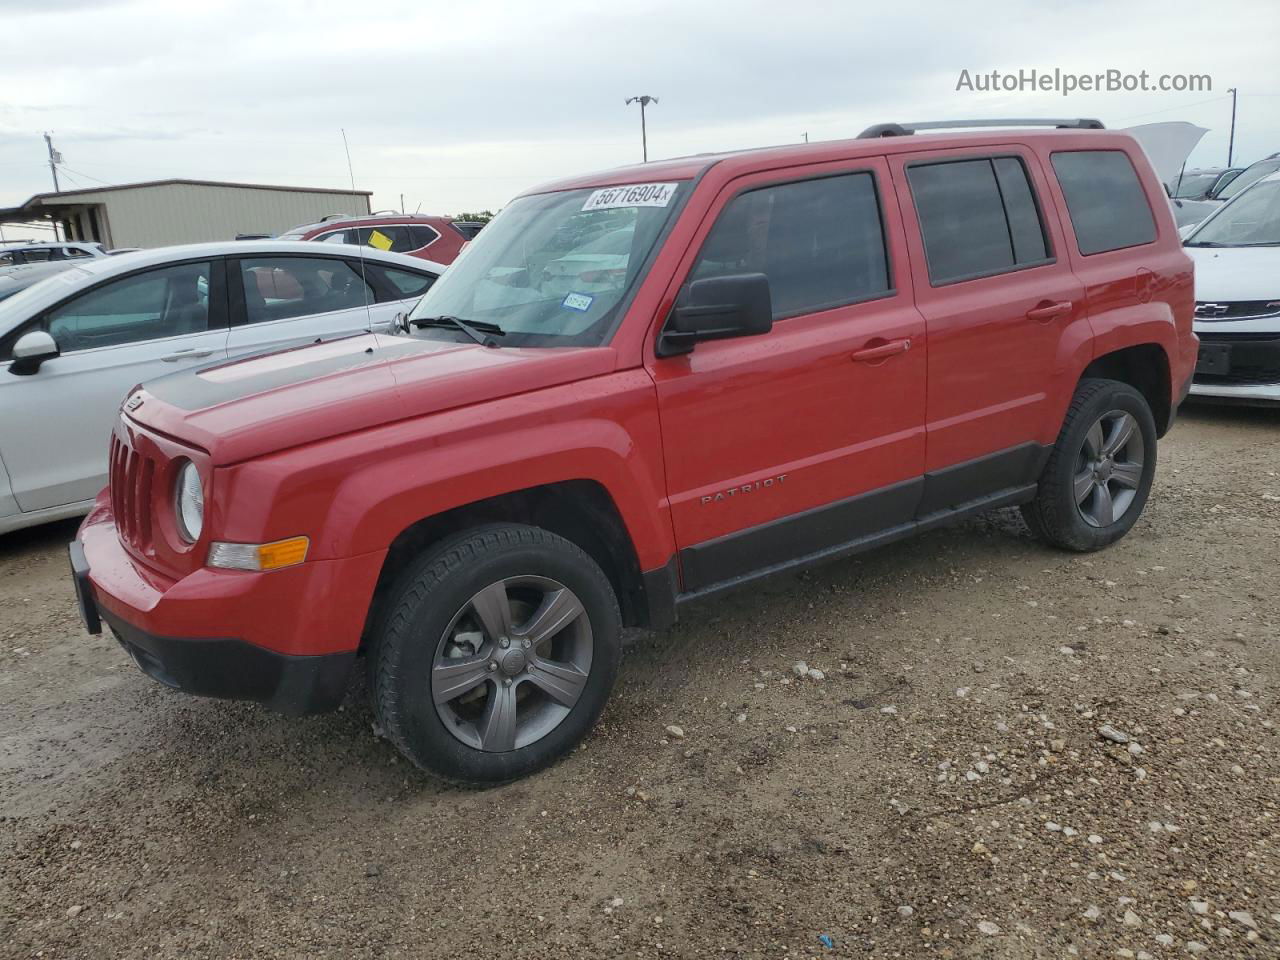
(191, 354)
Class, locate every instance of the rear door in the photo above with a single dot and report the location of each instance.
(289, 301)
(1001, 304)
(796, 442)
(57, 422)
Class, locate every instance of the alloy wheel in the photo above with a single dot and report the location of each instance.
(1109, 468)
(512, 664)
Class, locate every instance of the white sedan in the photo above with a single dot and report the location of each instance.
(1237, 257)
(74, 344)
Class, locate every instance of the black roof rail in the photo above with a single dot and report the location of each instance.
(906, 129)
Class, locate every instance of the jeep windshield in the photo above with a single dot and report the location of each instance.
(553, 269)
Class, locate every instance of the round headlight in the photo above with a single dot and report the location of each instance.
(190, 505)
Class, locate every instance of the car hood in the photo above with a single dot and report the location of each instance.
(1225, 274)
(257, 405)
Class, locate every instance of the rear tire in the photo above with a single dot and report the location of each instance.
(1098, 477)
(496, 655)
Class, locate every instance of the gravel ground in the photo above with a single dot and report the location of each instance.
(941, 790)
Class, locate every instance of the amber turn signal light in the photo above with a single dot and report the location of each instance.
(259, 556)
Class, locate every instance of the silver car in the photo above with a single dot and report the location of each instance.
(73, 344)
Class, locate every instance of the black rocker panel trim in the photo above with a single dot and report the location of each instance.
(973, 479)
(860, 523)
(799, 534)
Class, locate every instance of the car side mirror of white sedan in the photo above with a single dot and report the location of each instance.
(31, 350)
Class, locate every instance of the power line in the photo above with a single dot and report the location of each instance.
(1170, 109)
(67, 169)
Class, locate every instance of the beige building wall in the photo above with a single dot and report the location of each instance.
(166, 214)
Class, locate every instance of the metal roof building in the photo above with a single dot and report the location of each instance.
(163, 212)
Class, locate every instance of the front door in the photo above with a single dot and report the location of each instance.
(57, 422)
(797, 442)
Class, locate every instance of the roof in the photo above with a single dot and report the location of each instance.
(763, 158)
(370, 219)
(56, 198)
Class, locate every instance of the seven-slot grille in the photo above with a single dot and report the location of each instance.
(131, 475)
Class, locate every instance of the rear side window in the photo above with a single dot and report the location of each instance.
(420, 236)
(277, 288)
(1108, 207)
(820, 242)
(977, 217)
(406, 283)
(395, 238)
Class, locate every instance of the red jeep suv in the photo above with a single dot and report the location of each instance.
(431, 238)
(639, 389)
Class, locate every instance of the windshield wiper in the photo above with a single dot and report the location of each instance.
(1204, 243)
(477, 330)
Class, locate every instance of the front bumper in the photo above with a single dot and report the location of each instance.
(1262, 394)
(1243, 367)
(235, 670)
(287, 638)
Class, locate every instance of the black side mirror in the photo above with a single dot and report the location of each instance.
(31, 350)
(717, 308)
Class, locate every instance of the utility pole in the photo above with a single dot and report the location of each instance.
(402, 203)
(644, 101)
(806, 137)
(55, 158)
(1231, 143)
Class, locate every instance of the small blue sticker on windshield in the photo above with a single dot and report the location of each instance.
(577, 301)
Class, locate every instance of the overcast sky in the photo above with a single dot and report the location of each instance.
(461, 105)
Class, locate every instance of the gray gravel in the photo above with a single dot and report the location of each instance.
(876, 807)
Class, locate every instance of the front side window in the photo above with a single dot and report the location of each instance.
(554, 269)
(977, 217)
(820, 243)
(277, 288)
(169, 302)
(1108, 207)
(1251, 221)
(74, 253)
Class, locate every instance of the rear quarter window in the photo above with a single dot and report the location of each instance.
(1105, 199)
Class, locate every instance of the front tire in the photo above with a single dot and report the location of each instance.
(497, 654)
(1099, 474)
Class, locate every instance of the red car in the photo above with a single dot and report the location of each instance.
(640, 389)
(432, 238)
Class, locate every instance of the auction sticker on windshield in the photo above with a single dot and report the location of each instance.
(632, 195)
(577, 301)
